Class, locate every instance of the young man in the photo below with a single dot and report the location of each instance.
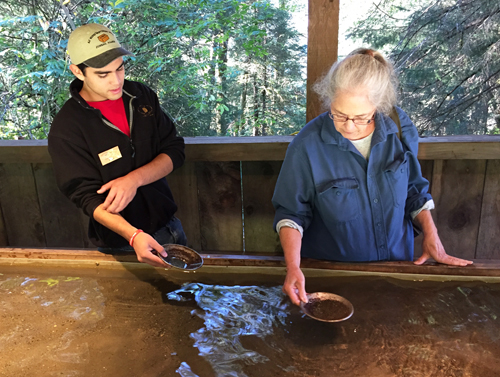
(112, 146)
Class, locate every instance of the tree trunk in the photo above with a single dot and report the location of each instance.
(264, 101)
(256, 131)
(222, 123)
(213, 79)
(241, 123)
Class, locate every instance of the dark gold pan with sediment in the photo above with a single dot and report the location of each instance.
(327, 307)
(181, 257)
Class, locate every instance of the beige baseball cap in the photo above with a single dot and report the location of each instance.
(94, 45)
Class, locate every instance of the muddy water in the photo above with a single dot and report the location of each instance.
(81, 322)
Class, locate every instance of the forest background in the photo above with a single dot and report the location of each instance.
(237, 67)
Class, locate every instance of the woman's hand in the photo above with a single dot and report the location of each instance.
(431, 244)
(294, 286)
(433, 248)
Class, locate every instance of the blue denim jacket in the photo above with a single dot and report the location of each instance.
(352, 209)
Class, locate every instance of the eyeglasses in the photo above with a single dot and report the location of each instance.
(356, 121)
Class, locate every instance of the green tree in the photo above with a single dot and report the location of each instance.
(273, 83)
(197, 54)
(32, 64)
(447, 54)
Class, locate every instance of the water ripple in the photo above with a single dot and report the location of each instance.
(230, 312)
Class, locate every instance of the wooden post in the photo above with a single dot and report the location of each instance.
(322, 48)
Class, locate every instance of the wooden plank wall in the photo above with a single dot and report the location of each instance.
(225, 206)
(3, 230)
(488, 243)
(220, 203)
(259, 179)
(20, 206)
(34, 211)
(458, 192)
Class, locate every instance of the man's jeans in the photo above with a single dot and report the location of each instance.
(170, 233)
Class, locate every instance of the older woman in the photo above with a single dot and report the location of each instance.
(351, 188)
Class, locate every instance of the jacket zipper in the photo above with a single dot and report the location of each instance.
(131, 121)
(111, 125)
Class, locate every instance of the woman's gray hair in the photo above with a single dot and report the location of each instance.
(364, 69)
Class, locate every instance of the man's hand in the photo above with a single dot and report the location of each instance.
(294, 286)
(433, 248)
(121, 192)
(146, 247)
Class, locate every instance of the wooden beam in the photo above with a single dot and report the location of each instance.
(271, 148)
(261, 148)
(481, 267)
(20, 151)
(322, 48)
(460, 147)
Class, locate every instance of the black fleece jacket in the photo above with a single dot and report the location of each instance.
(79, 133)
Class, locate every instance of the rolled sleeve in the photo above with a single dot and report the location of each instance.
(418, 186)
(427, 206)
(287, 223)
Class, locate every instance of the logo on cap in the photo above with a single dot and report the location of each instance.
(103, 37)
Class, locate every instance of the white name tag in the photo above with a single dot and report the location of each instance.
(110, 155)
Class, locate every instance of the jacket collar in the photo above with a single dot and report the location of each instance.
(74, 90)
(76, 85)
(383, 127)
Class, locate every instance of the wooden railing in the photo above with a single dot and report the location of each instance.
(224, 195)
